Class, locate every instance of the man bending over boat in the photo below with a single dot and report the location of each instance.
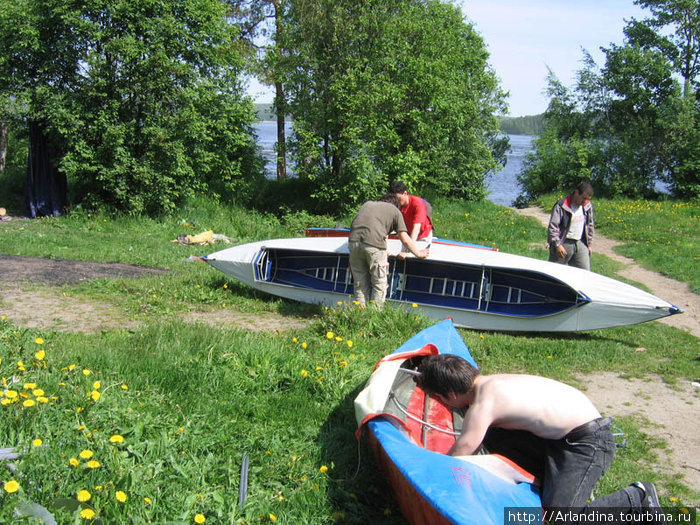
(547, 427)
(368, 249)
(416, 214)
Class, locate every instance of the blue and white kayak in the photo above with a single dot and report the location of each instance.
(477, 287)
(410, 433)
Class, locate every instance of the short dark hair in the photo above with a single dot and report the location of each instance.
(445, 374)
(584, 187)
(397, 187)
(390, 198)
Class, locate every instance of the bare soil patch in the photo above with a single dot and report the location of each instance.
(26, 303)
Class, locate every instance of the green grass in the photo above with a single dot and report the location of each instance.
(190, 399)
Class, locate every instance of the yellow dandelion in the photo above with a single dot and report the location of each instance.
(42, 399)
(87, 514)
(349, 343)
(148, 500)
(273, 518)
(414, 305)
(338, 338)
(323, 469)
(74, 462)
(27, 403)
(79, 410)
(95, 395)
(96, 385)
(121, 496)
(4, 402)
(83, 496)
(330, 335)
(673, 500)
(40, 355)
(3, 317)
(86, 454)
(225, 286)
(39, 341)
(125, 387)
(29, 386)
(93, 463)
(87, 371)
(11, 394)
(11, 486)
(37, 442)
(340, 303)
(200, 518)
(71, 367)
(116, 438)
(304, 373)
(304, 345)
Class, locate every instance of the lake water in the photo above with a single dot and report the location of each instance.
(502, 186)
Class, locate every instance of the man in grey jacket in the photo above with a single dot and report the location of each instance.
(571, 227)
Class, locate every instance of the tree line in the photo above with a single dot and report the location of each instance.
(633, 123)
(141, 104)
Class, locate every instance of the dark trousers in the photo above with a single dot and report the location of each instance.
(568, 468)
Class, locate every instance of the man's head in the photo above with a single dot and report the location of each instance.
(390, 198)
(446, 374)
(582, 193)
(401, 191)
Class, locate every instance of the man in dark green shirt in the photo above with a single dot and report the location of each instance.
(368, 249)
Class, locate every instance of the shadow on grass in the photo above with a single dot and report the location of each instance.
(358, 492)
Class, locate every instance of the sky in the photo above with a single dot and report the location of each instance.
(525, 37)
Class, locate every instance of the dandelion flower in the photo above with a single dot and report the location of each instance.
(414, 305)
(42, 399)
(323, 469)
(71, 367)
(330, 335)
(340, 303)
(37, 442)
(40, 355)
(29, 386)
(11, 394)
(116, 438)
(93, 463)
(11, 486)
(86, 454)
(125, 387)
(74, 462)
(338, 338)
(96, 385)
(350, 343)
(304, 345)
(304, 373)
(148, 500)
(121, 496)
(39, 341)
(273, 518)
(95, 395)
(295, 340)
(28, 403)
(200, 518)
(83, 496)
(87, 514)
(87, 371)
(38, 392)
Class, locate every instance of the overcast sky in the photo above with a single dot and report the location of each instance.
(524, 37)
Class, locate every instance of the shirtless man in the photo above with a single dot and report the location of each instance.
(550, 428)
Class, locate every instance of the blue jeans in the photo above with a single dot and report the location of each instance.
(569, 467)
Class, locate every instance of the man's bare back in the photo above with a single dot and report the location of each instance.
(547, 408)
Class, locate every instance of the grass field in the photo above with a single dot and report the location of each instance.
(150, 425)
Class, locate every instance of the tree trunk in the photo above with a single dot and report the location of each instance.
(280, 108)
(4, 137)
(45, 188)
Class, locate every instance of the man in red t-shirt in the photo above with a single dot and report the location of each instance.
(415, 214)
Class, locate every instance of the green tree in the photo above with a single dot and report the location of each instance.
(390, 89)
(143, 99)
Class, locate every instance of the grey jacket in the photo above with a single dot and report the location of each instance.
(560, 220)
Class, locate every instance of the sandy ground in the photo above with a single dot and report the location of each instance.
(665, 412)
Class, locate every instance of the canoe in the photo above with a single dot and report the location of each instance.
(410, 432)
(477, 286)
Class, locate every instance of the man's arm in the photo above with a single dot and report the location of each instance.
(415, 230)
(408, 242)
(476, 422)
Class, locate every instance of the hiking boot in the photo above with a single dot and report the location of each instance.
(650, 499)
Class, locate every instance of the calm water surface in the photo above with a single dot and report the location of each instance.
(503, 186)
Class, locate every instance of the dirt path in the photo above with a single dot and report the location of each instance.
(673, 291)
(671, 414)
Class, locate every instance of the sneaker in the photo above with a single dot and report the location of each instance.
(650, 499)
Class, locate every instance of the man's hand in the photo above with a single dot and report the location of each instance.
(561, 251)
